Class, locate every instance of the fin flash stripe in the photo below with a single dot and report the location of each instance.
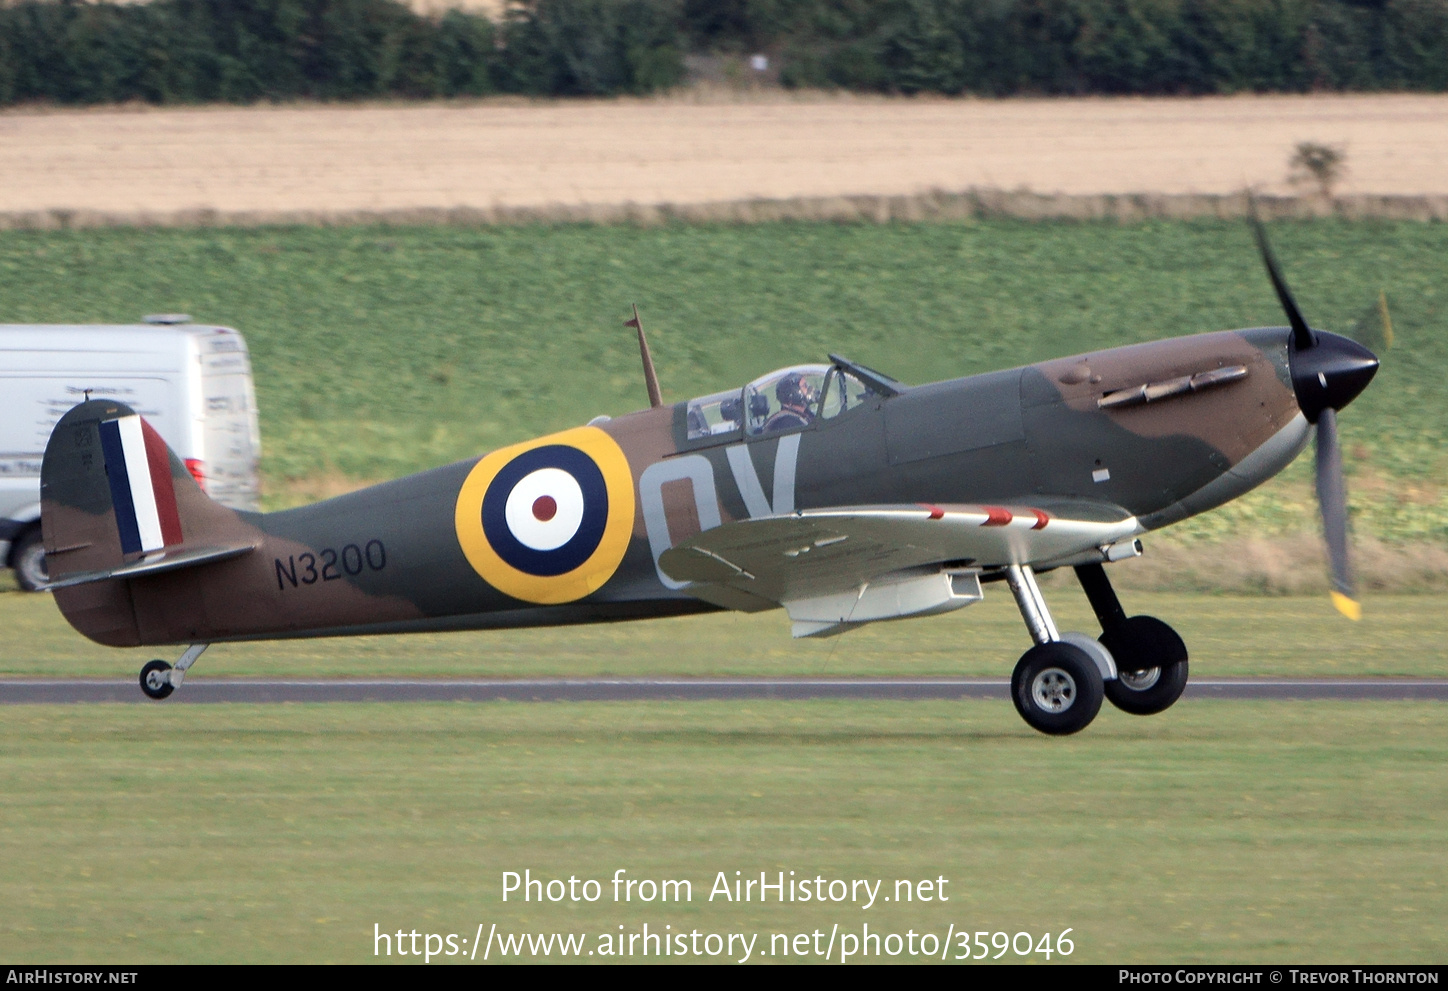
(138, 468)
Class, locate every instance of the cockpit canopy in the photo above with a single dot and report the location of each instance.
(784, 400)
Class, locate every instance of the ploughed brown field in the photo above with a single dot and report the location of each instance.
(697, 148)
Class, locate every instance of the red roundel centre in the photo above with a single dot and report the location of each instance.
(544, 508)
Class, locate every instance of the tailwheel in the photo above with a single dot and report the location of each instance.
(1152, 663)
(156, 680)
(1057, 688)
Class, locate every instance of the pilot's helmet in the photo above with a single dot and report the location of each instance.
(794, 390)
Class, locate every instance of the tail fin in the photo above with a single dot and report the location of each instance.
(116, 502)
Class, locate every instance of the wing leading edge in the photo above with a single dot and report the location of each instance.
(833, 569)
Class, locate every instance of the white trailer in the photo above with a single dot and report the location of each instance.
(192, 382)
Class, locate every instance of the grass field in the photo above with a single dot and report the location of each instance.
(1217, 832)
(1227, 635)
(383, 351)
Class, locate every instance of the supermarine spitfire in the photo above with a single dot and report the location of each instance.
(830, 490)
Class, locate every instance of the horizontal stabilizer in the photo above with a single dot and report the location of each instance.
(154, 564)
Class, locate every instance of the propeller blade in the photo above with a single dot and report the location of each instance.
(1302, 335)
(1332, 498)
(1328, 372)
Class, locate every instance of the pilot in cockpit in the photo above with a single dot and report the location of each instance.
(796, 397)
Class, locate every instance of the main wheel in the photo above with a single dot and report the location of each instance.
(1145, 693)
(29, 558)
(154, 681)
(1152, 664)
(1143, 642)
(1057, 688)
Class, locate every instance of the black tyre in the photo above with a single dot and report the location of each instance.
(1145, 693)
(28, 559)
(1057, 688)
(154, 681)
(1143, 642)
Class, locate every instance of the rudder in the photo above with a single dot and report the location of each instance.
(117, 503)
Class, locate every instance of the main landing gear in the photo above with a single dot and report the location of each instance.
(159, 679)
(1139, 663)
(1151, 660)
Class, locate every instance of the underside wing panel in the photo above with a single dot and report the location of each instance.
(825, 552)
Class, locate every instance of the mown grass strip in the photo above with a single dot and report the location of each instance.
(1227, 635)
(1216, 832)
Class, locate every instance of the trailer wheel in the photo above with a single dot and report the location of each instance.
(28, 560)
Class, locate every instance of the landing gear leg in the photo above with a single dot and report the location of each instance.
(1057, 684)
(159, 679)
(1150, 656)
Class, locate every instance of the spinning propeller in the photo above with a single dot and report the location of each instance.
(1328, 371)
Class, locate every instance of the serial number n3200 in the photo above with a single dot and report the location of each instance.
(329, 564)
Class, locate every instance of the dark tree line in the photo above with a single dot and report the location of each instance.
(999, 47)
(184, 51)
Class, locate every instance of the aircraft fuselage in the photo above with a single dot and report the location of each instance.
(1163, 430)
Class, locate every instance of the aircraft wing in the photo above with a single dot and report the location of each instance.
(803, 559)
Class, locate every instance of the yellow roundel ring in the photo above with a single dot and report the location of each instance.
(548, 520)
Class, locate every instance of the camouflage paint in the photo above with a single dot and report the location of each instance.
(413, 554)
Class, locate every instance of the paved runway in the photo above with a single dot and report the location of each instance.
(203, 690)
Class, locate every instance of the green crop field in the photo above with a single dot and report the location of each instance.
(1221, 831)
(381, 351)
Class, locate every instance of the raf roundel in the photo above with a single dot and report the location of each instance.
(546, 511)
(548, 521)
